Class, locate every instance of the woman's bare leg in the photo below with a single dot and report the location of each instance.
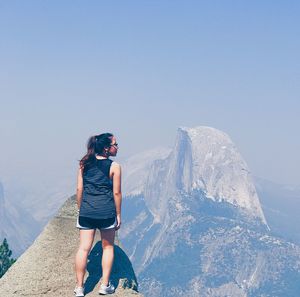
(107, 238)
(86, 242)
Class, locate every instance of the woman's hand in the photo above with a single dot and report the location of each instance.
(118, 222)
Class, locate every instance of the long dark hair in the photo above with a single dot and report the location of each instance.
(95, 145)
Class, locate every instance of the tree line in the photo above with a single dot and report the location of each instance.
(5, 257)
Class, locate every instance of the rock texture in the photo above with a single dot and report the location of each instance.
(47, 267)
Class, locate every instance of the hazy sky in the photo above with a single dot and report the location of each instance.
(141, 69)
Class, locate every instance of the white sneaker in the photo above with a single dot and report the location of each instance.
(104, 290)
(79, 291)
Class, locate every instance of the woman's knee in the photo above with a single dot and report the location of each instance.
(107, 247)
(84, 248)
(86, 240)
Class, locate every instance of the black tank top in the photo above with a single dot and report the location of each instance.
(97, 199)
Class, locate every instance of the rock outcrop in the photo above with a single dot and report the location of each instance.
(46, 268)
(203, 158)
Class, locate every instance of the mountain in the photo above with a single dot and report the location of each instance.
(195, 225)
(29, 205)
(16, 225)
(43, 197)
(136, 169)
(203, 158)
(281, 205)
(47, 266)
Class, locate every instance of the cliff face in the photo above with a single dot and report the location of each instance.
(47, 266)
(202, 159)
(196, 227)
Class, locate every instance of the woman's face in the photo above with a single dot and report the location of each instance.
(113, 149)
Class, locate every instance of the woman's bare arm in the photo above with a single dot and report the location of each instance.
(79, 188)
(117, 191)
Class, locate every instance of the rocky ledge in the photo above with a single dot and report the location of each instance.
(46, 268)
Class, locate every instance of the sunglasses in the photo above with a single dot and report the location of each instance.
(114, 144)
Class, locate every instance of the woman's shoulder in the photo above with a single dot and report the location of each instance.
(115, 166)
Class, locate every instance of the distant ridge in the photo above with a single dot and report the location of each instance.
(46, 268)
(17, 225)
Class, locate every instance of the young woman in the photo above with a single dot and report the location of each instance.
(99, 204)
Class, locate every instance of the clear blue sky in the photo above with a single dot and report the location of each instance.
(140, 69)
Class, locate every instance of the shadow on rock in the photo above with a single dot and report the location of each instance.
(122, 273)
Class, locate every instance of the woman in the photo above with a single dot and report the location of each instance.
(99, 204)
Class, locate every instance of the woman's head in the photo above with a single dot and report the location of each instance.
(103, 144)
(106, 145)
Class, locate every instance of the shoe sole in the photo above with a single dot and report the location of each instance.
(100, 293)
